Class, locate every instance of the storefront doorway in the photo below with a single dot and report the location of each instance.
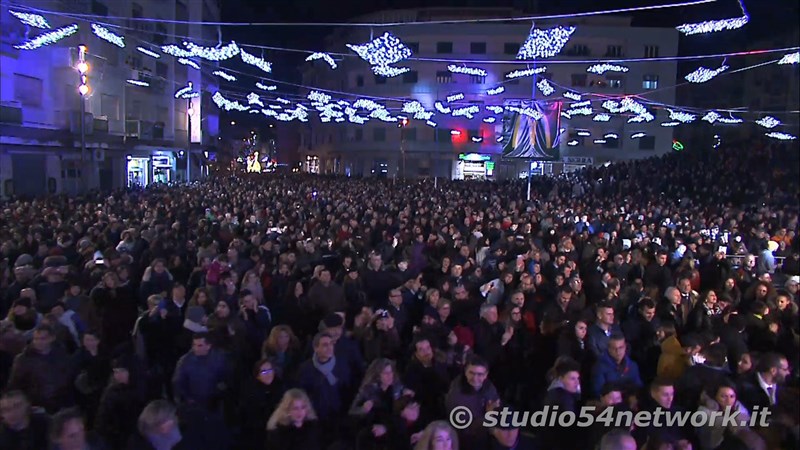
(138, 171)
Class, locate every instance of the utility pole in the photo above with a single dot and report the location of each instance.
(83, 89)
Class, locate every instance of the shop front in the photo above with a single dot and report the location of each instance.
(156, 168)
(473, 166)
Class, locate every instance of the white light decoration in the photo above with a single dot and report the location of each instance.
(605, 67)
(711, 117)
(581, 104)
(567, 115)
(584, 133)
(712, 26)
(585, 111)
(148, 52)
(489, 119)
(638, 135)
(455, 133)
(670, 124)
(357, 120)
(612, 106)
(226, 104)
(189, 62)
(611, 136)
(532, 113)
(413, 107)
(33, 20)
(108, 35)
(423, 115)
(455, 97)
(389, 71)
(51, 37)
(681, 116)
(283, 100)
(254, 99)
(599, 141)
(467, 70)
(365, 103)
(572, 95)
(499, 138)
(316, 96)
(644, 117)
(265, 87)
(544, 87)
(441, 108)
(224, 75)
(791, 58)
(496, 91)
(187, 92)
(431, 123)
(545, 43)
(477, 139)
(176, 51)
(222, 53)
(526, 72)
(323, 56)
(382, 51)
(383, 115)
(495, 109)
(730, 120)
(573, 143)
(256, 61)
(702, 74)
(602, 117)
(340, 119)
(138, 83)
(466, 111)
(780, 136)
(253, 111)
(768, 122)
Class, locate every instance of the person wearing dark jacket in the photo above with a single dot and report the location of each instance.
(201, 376)
(661, 396)
(158, 429)
(20, 428)
(712, 372)
(427, 377)
(120, 406)
(565, 393)
(474, 391)
(117, 309)
(762, 387)
(259, 397)
(68, 432)
(705, 316)
(614, 366)
(293, 425)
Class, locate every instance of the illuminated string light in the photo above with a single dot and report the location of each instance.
(489, 119)
(316, 96)
(713, 26)
(189, 62)
(282, 100)
(612, 106)
(265, 87)
(227, 51)
(585, 111)
(431, 123)
(711, 117)
(730, 120)
(573, 143)
(605, 67)
(567, 115)
(599, 141)
(365, 103)
(544, 87)
(477, 139)
(525, 72)
(611, 136)
(224, 75)
(51, 37)
(681, 116)
(532, 113)
(702, 74)
(496, 91)
(670, 124)
(791, 58)
(254, 99)
(581, 104)
(455, 133)
(108, 35)
(572, 96)
(256, 61)
(148, 52)
(455, 97)
(602, 117)
(545, 43)
(323, 56)
(138, 83)
(340, 119)
(382, 51)
(584, 133)
(638, 135)
(187, 92)
(226, 104)
(644, 117)
(768, 122)
(389, 71)
(495, 109)
(466, 111)
(278, 107)
(33, 20)
(467, 70)
(780, 136)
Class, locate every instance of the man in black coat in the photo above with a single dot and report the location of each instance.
(698, 377)
(427, 377)
(761, 387)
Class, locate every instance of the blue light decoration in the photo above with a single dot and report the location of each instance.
(323, 56)
(254, 60)
(526, 72)
(580, 104)
(224, 75)
(382, 51)
(584, 133)
(51, 37)
(702, 74)
(496, 91)
(265, 87)
(455, 97)
(768, 122)
(791, 58)
(572, 95)
(780, 136)
(368, 104)
(612, 106)
(713, 26)
(605, 67)
(282, 100)
(148, 52)
(189, 62)
(467, 70)
(226, 104)
(32, 20)
(544, 87)
(543, 44)
(187, 92)
(108, 35)
(389, 71)
(138, 83)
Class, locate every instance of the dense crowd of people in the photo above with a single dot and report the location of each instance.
(306, 312)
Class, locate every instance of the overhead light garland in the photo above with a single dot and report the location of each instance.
(599, 141)
(224, 75)
(711, 117)
(768, 122)
(602, 117)
(316, 96)
(51, 37)
(585, 111)
(545, 43)
(467, 70)
(466, 111)
(282, 100)
(148, 52)
(382, 51)
(213, 53)
(584, 133)
(573, 143)
(670, 124)
(572, 95)
(431, 123)
(33, 20)
(254, 99)
(496, 91)
(138, 83)
(544, 87)
(681, 116)
(638, 135)
(605, 67)
(455, 97)
(256, 61)
(780, 136)
(494, 109)
(611, 136)
(702, 74)
(489, 119)
(265, 87)
(187, 92)
(226, 104)
(189, 62)
(791, 58)
(108, 35)
(526, 72)
(612, 106)
(730, 120)
(455, 133)
(368, 104)
(581, 104)
(389, 71)
(713, 26)
(323, 56)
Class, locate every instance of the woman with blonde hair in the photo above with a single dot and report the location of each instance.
(293, 425)
(438, 435)
(283, 348)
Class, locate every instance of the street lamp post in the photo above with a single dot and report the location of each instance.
(403, 124)
(189, 112)
(83, 89)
